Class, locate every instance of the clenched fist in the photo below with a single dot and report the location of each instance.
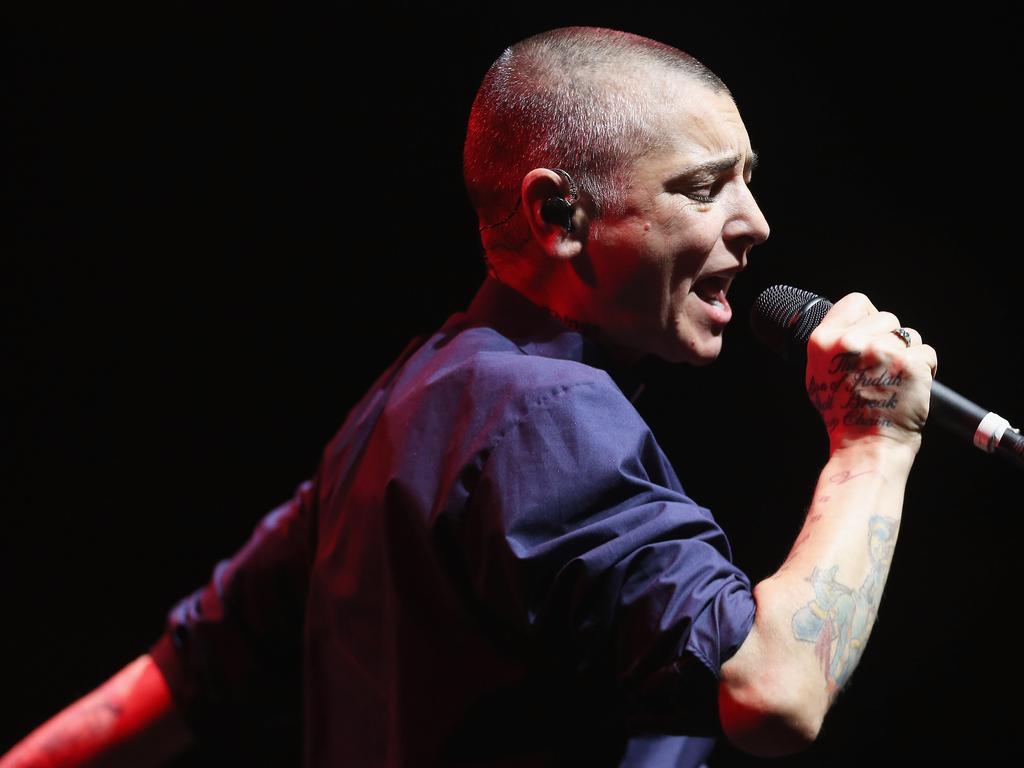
(869, 378)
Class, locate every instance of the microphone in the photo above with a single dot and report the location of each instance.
(784, 317)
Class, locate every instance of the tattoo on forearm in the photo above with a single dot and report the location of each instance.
(93, 721)
(846, 475)
(839, 618)
(838, 479)
(861, 393)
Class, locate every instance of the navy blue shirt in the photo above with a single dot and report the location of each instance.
(494, 564)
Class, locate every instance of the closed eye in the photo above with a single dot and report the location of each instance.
(708, 192)
(705, 193)
(700, 197)
(703, 182)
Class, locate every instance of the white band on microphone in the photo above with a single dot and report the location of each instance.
(990, 432)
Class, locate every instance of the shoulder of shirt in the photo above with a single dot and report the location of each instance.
(462, 395)
(483, 358)
(481, 384)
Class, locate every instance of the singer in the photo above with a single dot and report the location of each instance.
(495, 563)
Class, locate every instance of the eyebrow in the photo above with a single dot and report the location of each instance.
(719, 165)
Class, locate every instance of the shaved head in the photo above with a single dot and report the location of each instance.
(584, 99)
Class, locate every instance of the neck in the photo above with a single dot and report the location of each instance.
(539, 291)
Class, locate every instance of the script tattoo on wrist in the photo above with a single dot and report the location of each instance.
(859, 392)
(839, 618)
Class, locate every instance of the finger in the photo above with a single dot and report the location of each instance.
(901, 340)
(876, 324)
(850, 309)
(925, 354)
(883, 330)
(846, 312)
(911, 334)
(873, 335)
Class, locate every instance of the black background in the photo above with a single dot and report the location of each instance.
(222, 224)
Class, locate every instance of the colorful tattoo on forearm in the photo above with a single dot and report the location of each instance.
(839, 618)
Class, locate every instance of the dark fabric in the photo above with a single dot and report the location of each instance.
(495, 564)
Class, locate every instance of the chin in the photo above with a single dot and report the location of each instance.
(699, 361)
(692, 340)
(695, 353)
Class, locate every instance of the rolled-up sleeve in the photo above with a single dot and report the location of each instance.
(590, 543)
(232, 649)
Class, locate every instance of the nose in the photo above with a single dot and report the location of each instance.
(747, 226)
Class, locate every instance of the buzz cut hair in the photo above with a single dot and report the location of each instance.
(584, 99)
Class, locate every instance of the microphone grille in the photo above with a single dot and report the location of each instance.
(783, 316)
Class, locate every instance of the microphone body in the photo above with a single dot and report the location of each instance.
(784, 317)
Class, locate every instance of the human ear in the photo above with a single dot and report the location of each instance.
(550, 197)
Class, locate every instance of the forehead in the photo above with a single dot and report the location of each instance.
(700, 123)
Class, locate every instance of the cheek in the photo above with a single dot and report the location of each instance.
(681, 220)
(689, 242)
(640, 286)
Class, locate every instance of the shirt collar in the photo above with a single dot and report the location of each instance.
(536, 331)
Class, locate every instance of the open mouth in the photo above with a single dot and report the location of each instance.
(711, 290)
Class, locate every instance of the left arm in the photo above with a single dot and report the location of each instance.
(130, 720)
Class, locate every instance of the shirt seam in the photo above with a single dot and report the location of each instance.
(536, 406)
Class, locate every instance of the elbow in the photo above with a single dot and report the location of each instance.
(772, 696)
(770, 721)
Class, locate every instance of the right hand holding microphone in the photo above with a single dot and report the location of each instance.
(869, 377)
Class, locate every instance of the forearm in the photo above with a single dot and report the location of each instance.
(845, 545)
(130, 720)
(815, 613)
(825, 597)
(870, 379)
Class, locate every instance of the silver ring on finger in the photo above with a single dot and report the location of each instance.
(904, 335)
